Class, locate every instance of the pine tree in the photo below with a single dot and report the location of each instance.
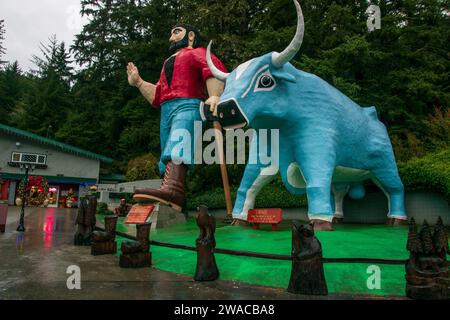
(47, 102)
(12, 87)
(414, 245)
(2, 38)
(440, 238)
(426, 238)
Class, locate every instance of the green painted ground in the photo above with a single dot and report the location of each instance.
(361, 241)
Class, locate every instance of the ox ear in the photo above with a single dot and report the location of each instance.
(282, 74)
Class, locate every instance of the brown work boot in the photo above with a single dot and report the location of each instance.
(171, 191)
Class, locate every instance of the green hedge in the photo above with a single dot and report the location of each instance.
(431, 172)
(102, 208)
(122, 195)
(274, 195)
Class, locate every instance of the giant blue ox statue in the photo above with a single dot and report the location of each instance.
(328, 144)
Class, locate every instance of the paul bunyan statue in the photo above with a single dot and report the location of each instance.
(328, 144)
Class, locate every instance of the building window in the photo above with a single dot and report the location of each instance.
(19, 157)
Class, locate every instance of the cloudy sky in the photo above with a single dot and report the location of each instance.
(29, 22)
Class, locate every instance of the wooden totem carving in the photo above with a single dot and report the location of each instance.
(206, 269)
(85, 221)
(427, 271)
(136, 254)
(307, 275)
(104, 242)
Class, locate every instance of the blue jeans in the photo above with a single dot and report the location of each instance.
(177, 131)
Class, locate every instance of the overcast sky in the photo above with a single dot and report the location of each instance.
(29, 22)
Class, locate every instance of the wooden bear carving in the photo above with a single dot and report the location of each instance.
(206, 269)
(307, 275)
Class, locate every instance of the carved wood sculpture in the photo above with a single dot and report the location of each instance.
(85, 221)
(206, 269)
(136, 254)
(104, 242)
(307, 275)
(427, 271)
(123, 209)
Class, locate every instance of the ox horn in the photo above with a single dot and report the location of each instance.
(279, 59)
(220, 75)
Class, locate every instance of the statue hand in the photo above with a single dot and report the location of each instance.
(213, 101)
(134, 79)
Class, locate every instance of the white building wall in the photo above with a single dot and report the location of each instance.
(58, 162)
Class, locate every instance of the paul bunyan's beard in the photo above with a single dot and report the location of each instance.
(174, 47)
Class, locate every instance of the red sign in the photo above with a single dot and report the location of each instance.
(139, 213)
(266, 216)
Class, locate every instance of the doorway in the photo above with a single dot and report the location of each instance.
(53, 196)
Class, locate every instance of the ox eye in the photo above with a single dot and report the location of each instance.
(265, 82)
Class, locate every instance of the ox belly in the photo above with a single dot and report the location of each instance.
(296, 178)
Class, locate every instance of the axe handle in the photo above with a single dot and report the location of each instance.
(223, 166)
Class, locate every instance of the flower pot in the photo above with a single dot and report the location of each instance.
(19, 202)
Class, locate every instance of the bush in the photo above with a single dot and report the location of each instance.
(273, 195)
(143, 168)
(431, 172)
(102, 208)
(122, 195)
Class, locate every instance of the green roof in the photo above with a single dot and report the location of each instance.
(56, 144)
(112, 177)
(50, 179)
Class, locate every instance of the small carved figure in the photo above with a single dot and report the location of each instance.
(206, 224)
(123, 209)
(103, 242)
(85, 221)
(307, 276)
(427, 272)
(206, 269)
(136, 254)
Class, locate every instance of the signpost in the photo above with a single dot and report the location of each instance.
(139, 214)
(265, 216)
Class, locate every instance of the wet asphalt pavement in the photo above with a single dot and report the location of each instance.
(33, 265)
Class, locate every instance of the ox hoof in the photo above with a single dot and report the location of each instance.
(338, 220)
(321, 225)
(396, 222)
(239, 222)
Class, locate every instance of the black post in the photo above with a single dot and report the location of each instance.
(21, 227)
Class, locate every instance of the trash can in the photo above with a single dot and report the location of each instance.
(3, 214)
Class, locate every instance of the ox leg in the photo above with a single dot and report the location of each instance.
(387, 178)
(392, 186)
(339, 192)
(318, 191)
(256, 176)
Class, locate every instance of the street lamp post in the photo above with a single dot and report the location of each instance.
(27, 167)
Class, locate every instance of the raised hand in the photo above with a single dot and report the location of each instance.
(134, 79)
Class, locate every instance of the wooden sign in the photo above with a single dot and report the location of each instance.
(265, 216)
(139, 213)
